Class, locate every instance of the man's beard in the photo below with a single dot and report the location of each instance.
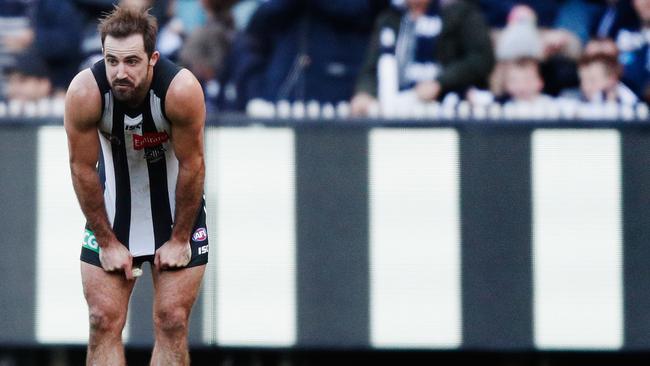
(131, 93)
(124, 95)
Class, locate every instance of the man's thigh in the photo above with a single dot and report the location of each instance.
(177, 289)
(105, 292)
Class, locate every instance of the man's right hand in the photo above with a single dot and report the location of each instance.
(115, 258)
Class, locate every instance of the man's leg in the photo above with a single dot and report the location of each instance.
(107, 295)
(175, 293)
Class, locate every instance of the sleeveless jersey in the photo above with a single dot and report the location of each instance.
(138, 167)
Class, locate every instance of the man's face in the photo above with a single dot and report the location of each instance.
(127, 66)
(642, 8)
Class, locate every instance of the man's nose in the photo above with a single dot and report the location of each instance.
(121, 71)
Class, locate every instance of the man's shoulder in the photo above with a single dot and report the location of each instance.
(83, 86)
(184, 96)
(183, 85)
(83, 102)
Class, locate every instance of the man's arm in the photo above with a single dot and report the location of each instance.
(82, 113)
(185, 108)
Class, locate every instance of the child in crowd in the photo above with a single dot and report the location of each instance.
(523, 82)
(600, 73)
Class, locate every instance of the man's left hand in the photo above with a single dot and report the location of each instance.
(173, 254)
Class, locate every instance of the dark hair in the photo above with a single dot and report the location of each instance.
(612, 66)
(125, 21)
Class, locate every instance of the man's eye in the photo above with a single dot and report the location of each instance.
(112, 62)
(132, 62)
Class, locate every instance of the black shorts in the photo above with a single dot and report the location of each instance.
(198, 242)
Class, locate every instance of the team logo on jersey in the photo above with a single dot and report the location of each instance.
(200, 234)
(149, 139)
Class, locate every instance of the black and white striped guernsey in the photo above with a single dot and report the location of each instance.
(138, 167)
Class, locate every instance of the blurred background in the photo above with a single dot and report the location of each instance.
(388, 181)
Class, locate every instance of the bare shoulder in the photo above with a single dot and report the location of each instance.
(184, 102)
(83, 104)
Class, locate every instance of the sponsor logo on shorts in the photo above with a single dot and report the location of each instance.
(90, 242)
(200, 234)
(203, 249)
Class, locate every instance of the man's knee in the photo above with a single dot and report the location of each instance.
(106, 320)
(170, 320)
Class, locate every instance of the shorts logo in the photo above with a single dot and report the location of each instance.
(203, 249)
(200, 234)
(90, 242)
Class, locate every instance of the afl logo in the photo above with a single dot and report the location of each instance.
(200, 234)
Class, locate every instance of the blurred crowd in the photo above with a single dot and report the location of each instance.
(369, 57)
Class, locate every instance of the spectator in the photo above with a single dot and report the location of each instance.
(91, 43)
(600, 74)
(205, 51)
(244, 71)
(524, 83)
(555, 49)
(58, 28)
(27, 79)
(555, 42)
(634, 53)
(438, 49)
(305, 50)
(599, 80)
(16, 34)
(596, 18)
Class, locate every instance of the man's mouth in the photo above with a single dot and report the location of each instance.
(123, 84)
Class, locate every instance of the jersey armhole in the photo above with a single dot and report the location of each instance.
(99, 72)
(164, 73)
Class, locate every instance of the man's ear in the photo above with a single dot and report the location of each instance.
(154, 58)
